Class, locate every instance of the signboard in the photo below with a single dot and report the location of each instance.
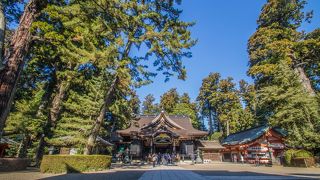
(257, 148)
(276, 146)
(162, 138)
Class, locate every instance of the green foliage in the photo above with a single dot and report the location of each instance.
(292, 153)
(169, 100)
(303, 154)
(187, 110)
(74, 163)
(148, 106)
(282, 63)
(80, 110)
(215, 136)
(288, 155)
(220, 101)
(287, 105)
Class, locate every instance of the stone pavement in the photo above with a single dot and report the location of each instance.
(180, 173)
(223, 171)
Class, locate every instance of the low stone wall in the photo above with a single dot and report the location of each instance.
(13, 164)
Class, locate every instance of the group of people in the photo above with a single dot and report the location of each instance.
(165, 158)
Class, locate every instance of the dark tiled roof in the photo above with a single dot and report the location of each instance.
(249, 135)
(182, 125)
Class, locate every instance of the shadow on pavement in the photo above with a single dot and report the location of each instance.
(119, 175)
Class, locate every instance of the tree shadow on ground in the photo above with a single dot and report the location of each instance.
(118, 175)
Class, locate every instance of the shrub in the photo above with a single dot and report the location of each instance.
(74, 163)
(302, 154)
(288, 155)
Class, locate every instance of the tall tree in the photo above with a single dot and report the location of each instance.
(277, 36)
(134, 102)
(15, 58)
(289, 106)
(187, 108)
(148, 105)
(209, 85)
(278, 64)
(169, 100)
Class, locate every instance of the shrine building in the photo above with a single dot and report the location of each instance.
(159, 134)
(263, 143)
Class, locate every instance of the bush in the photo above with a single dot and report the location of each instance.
(290, 154)
(74, 163)
(302, 154)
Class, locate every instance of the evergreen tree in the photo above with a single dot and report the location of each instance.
(148, 106)
(278, 64)
(208, 110)
(286, 104)
(185, 98)
(185, 107)
(134, 102)
(169, 100)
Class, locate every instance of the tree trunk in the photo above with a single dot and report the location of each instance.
(57, 102)
(23, 148)
(2, 33)
(40, 150)
(228, 128)
(52, 117)
(306, 83)
(96, 128)
(46, 128)
(15, 58)
(210, 123)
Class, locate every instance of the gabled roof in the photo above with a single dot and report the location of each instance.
(249, 135)
(210, 145)
(147, 124)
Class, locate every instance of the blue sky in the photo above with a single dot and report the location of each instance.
(222, 29)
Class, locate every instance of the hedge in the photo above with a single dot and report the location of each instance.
(74, 163)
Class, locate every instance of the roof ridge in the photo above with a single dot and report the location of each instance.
(256, 127)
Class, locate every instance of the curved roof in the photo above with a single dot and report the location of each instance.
(148, 124)
(249, 135)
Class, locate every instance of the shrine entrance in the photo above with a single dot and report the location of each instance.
(163, 149)
(160, 134)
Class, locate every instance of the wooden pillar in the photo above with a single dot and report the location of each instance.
(174, 146)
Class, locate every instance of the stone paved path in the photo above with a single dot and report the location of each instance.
(221, 171)
(179, 173)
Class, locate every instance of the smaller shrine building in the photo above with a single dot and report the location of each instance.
(260, 143)
(160, 134)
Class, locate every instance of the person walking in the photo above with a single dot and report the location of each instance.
(257, 160)
(159, 159)
(154, 159)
